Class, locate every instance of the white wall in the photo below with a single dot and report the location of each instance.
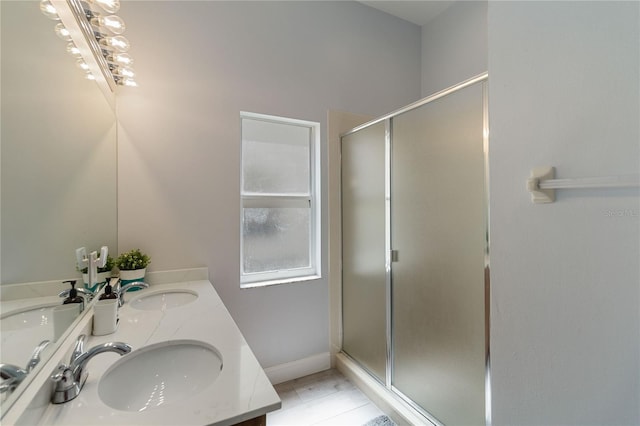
(564, 91)
(179, 133)
(454, 46)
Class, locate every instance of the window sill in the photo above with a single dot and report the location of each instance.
(280, 281)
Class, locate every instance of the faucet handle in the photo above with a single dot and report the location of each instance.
(63, 374)
(66, 387)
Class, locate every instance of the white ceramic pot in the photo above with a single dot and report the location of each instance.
(127, 277)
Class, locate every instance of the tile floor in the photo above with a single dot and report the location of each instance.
(325, 398)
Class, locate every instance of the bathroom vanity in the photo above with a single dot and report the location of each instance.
(189, 365)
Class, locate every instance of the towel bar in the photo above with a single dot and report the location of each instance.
(542, 183)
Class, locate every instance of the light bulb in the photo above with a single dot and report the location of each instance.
(89, 76)
(109, 6)
(125, 72)
(73, 50)
(62, 32)
(128, 82)
(120, 59)
(48, 10)
(113, 23)
(82, 64)
(117, 43)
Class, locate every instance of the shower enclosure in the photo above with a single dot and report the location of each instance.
(415, 253)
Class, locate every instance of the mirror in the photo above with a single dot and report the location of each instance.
(58, 162)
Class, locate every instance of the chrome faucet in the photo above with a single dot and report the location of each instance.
(87, 294)
(123, 289)
(14, 375)
(70, 378)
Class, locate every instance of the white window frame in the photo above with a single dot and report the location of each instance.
(311, 199)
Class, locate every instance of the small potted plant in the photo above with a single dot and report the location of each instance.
(103, 274)
(132, 266)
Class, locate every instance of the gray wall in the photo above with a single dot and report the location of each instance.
(454, 46)
(179, 133)
(564, 91)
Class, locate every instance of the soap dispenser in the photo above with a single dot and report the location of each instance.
(73, 295)
(105, 312)
(108, 292)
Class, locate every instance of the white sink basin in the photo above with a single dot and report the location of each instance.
(33, 316)
(159, 374)
(163, 300)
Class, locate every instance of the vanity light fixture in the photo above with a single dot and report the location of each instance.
(101, 31)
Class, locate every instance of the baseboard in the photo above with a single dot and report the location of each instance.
(401, 413)
(298, 368)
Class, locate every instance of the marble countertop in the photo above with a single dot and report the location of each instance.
(242, 390)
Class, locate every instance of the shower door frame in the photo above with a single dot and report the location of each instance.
(390, 254)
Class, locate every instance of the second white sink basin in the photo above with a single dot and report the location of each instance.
(163, 373)
(163, 300)
(33, 316)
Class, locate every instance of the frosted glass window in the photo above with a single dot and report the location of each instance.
(275, 239)
(275, 157)
(280, 232)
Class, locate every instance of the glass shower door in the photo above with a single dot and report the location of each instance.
(439, 231)
(364, 304)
